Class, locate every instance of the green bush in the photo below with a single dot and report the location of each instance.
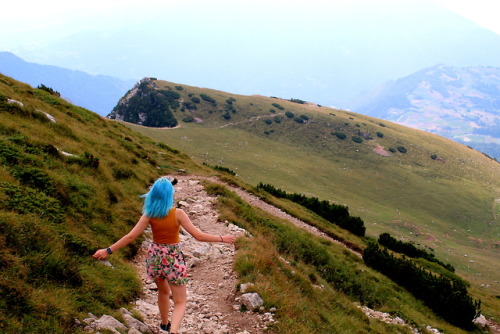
(392, 149)
(122, 173)
(179, 87)
(278, 106)
(227, 116)
(433, 157)
(189, 106)
(194, 99)
(272, 110)
(268, 121)
(357, 139)
(49, 90)
(339, 135)
(25, 200)
(221, 169)
(304, 117)
(34, 178)
(188, 119)
(380, 135)
(277, 119)
(402, 149)
(408, 249)
(208, 98)
(336, 214)
(447, 297)
(297, 101)
(299, 120)
(289, 114)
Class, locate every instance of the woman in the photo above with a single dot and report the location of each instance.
(165, 263)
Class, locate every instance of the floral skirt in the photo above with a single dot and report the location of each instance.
(166, 262)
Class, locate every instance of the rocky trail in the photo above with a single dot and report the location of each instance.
(214, 299)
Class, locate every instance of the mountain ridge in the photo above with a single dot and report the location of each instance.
(462, 104)
(98, 93)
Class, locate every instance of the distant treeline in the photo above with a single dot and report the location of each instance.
(446, 296)
(337, 214)
(410, 250)
(221, 169)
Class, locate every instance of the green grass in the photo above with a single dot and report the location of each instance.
(57, 210)
(445, 203)
(314, 284)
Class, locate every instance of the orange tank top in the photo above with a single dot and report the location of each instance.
(165, 230)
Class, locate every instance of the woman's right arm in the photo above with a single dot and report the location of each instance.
(186, 223)
(141, 225)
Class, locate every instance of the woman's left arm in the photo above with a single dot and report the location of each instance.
(141, 225)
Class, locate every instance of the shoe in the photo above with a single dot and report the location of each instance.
(166, 327)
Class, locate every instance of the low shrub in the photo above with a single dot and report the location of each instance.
(402, 149)
(357, 139)
(339, 135)
(447, 297)
(289, 114)
(208, 98)
(278, 106)
(336, 214)
(297, 101)
(122, 173)
(25, 200)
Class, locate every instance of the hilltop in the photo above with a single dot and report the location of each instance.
(70, 182)
(458, 103)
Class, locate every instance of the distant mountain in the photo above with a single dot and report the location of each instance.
(458, 103)
(98, 93)
(319, 52)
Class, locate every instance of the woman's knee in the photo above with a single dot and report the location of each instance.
(179, 293)
(163, 286)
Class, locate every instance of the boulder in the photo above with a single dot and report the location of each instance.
(251, 301)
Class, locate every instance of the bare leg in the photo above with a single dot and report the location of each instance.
(180, 300)
(163, 299)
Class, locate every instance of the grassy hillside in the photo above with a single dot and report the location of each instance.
(70, 186)
(67, 188)
(428, 189)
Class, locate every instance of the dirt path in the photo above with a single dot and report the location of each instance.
(213, 305)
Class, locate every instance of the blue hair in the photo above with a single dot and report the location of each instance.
(159, 199)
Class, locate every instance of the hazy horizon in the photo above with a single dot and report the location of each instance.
(323, 51)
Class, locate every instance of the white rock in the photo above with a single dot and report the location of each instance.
(10, 101)
(251, 301)
(108, 322)
(481, 321)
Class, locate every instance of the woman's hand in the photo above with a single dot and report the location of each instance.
(101, 254)
(228, 239)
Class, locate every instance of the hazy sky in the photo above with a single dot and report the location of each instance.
(32, 21)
